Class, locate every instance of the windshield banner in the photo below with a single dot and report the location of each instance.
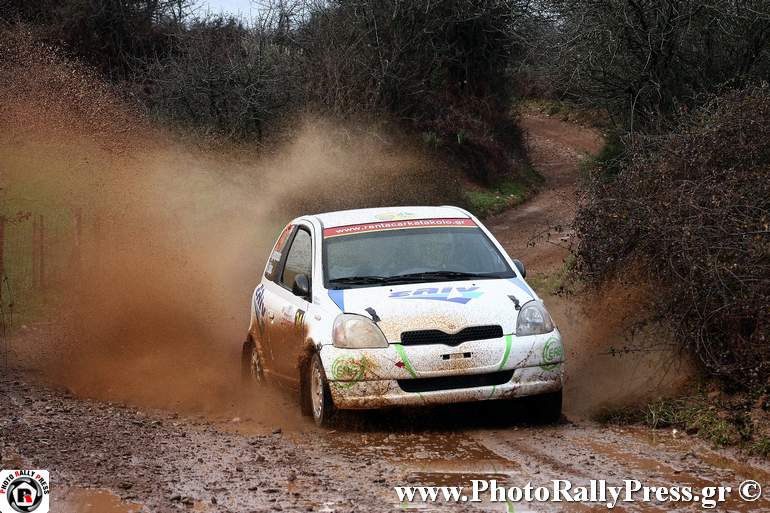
(354, 229)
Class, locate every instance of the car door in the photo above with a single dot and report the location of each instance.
(286, 311)
(267, 303)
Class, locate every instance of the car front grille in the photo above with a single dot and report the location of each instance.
(455, 382)
(422, 337)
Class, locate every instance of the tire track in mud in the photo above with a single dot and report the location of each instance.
(581, 452)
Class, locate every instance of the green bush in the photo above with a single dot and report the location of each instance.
(507, 193)
(606, 163)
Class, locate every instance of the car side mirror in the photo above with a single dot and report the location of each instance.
(520, 267)
(301, 286)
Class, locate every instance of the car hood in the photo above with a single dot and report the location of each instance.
(447, 306)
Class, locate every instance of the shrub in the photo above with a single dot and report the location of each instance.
(691, 210)
(223, 78)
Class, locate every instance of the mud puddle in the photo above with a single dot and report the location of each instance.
(401, 447)
(452, 459)
(84, 500)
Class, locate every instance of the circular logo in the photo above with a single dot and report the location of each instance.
(24, 494)
(347, 371)
(750, 490)
(552, 354)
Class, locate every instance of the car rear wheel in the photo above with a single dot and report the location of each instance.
(548, 407)
(321, 404)
(252, 371)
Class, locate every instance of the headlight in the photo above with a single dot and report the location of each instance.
(356, 332)
(533, 320)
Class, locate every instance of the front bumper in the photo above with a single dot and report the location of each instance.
(383, 393)
(438, 374)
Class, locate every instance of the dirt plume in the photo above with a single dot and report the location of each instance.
(153, 245)
(616, 354)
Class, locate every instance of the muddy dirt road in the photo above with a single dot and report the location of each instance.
(540, 228)
(114, 458)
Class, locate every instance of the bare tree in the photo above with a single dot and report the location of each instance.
(645, 60)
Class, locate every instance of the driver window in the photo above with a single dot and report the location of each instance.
(299, 259)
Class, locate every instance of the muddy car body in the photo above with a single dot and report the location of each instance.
(399, 306)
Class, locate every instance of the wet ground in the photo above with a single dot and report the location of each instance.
(107, 458)
(112, 457)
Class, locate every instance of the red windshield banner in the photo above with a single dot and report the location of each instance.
(354, 229)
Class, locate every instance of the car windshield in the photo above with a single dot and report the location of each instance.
(411, 256)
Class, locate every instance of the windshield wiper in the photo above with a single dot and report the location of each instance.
(358, 280)
(408, 278)
(433, 275)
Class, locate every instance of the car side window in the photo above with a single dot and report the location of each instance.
(299, 260)
(274, 261)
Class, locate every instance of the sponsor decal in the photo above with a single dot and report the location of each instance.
(24, 491)
(338, 296)
(405, 363)
(395, 216)
(299, 319)
(287, 315)
(516, 304)
(459, 295)
(281, 242)
(522, 285)
(275, 255)
(355, 229)
(347, 370)
(552, 354)
(259, 307)
(506, 355)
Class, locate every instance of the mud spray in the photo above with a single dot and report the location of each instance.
(616, 355)
(153, 299)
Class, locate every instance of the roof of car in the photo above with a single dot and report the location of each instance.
(374, 215)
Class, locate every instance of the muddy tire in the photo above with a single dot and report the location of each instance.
(548, 407)
(318, 398)
(252, 372)
(305, 404)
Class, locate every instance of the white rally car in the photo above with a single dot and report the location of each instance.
(400, 306)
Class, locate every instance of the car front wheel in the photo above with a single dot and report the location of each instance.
(321, 404)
